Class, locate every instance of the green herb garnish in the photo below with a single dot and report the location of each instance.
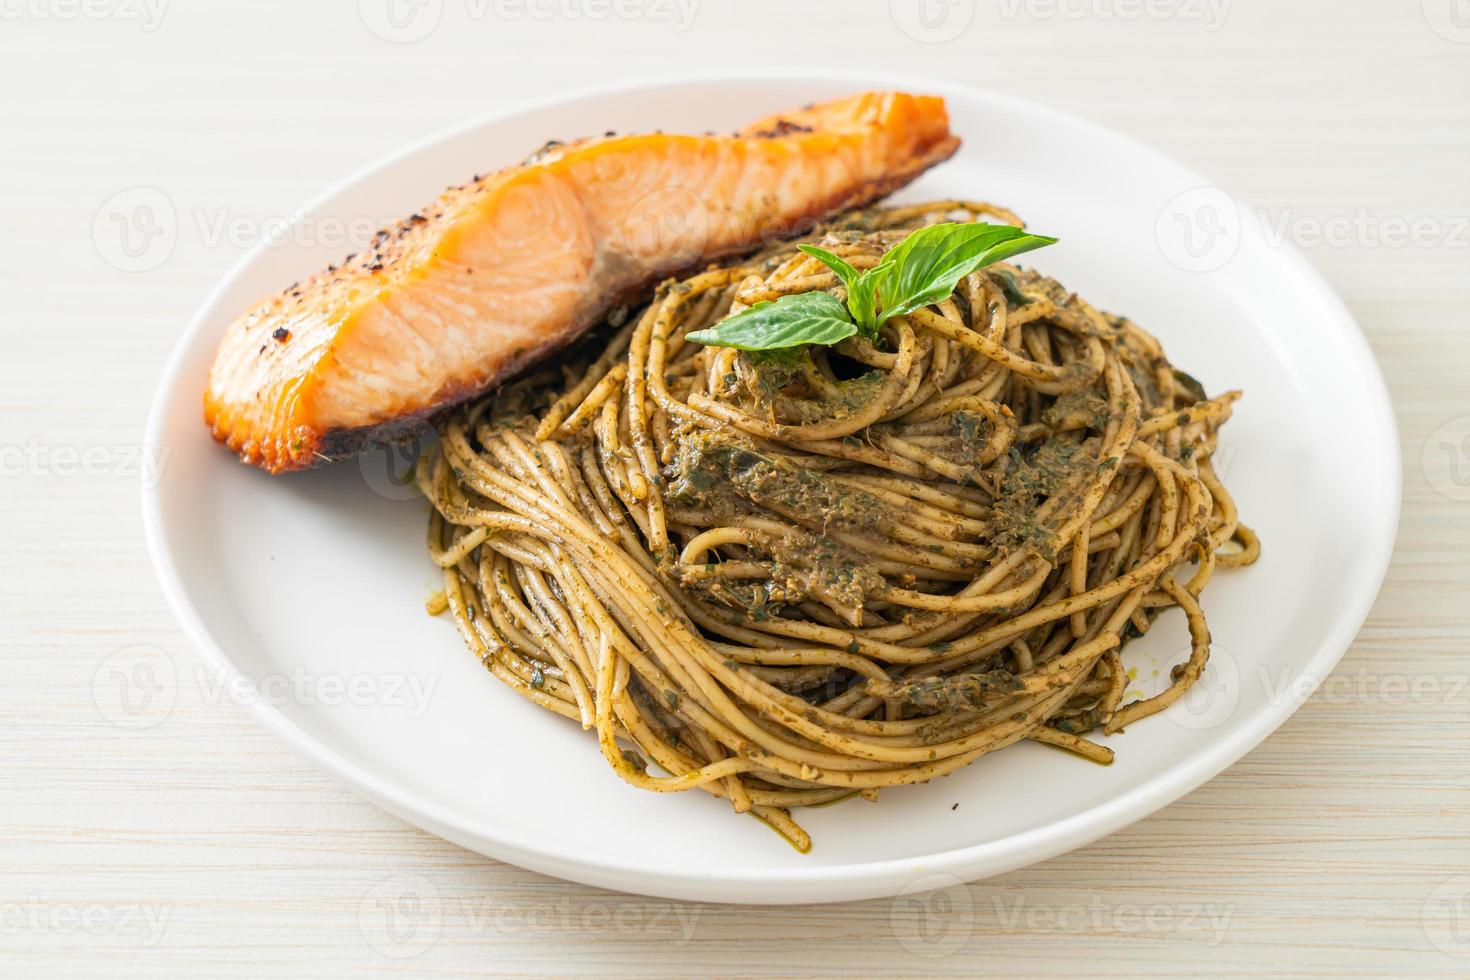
(921, 270)
(791, 321)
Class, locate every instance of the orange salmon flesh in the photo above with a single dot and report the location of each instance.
(500, 272)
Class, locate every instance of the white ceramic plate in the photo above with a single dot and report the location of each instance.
(312, 586)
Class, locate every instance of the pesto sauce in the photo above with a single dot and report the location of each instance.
(1030, 480)
(956, 692)
(713, 471)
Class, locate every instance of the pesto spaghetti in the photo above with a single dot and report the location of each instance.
(787, 576)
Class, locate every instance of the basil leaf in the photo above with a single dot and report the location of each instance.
(925, 267)
(801, 318)
(861, 300)
(833, 261)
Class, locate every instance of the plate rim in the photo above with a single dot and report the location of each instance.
(845, 882)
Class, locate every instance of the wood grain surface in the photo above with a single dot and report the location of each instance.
(195, 843)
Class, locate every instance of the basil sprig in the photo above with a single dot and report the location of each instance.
(921, 270)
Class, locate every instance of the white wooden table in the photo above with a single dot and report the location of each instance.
(201, 844)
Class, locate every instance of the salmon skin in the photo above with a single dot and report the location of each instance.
(500, 272)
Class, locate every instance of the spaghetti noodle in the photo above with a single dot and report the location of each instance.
(787, 577)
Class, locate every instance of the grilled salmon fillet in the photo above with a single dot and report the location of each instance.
(501, 271)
